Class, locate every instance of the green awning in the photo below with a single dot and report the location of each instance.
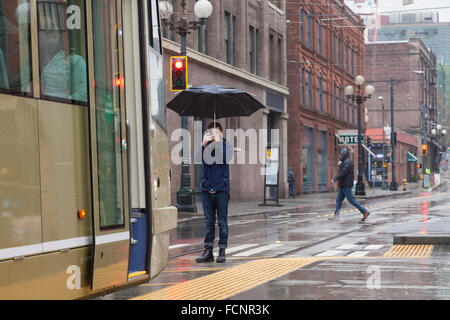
(411, 157)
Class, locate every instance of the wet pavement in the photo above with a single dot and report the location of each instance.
(345, 259)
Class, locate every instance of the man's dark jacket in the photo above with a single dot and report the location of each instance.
(216, 174)
(345, 176)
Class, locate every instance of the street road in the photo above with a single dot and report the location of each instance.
(342, 259)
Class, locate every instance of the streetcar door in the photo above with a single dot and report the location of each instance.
(108, 146)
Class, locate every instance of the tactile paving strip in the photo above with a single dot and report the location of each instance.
(227, 283)
(409, 251)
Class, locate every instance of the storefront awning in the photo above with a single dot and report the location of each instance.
(411, 157)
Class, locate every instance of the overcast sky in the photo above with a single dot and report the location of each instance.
(394, 5)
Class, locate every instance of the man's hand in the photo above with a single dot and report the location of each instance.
(207, 139)
(339, 163)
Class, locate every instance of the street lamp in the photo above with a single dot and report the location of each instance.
(203, 10)
(383, 184)
(359, 97)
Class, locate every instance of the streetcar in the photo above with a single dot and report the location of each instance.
(84, 152)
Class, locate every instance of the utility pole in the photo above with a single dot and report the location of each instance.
(394, 184)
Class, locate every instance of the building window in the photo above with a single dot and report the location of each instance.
(308, 18)
(335, 101)
(310, 88)
(346, 57)
(302, 21)
(319, 37)
(340, 102)
(227, 38)
(303, 86)
(353, 61)
(339, 51)
(202, 38)
(320, 93)
(230, 38)
(254, 42)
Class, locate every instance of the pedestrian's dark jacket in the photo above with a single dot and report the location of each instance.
(345, 176)
(291, 176)
(216, 171)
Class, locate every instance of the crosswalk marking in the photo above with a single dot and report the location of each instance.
(329, 253)
(358, 254)
(374, 247)
(238, 248)
(258, 250)
(181, 245)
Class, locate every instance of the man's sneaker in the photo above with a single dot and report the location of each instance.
(207, 255)
(365, 216)
(221, 258)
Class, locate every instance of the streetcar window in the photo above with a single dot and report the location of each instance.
(108, 111)
(154, 32)
(62, 50)
(15, 48)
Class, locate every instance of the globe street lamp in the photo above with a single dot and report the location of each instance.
(359, 97)
(203, 10)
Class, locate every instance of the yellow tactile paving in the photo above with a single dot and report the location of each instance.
(409, 251)
(227, 283)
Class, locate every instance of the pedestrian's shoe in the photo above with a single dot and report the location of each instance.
(221, 258)
(207, 255)
(365, 216)
(334, 218)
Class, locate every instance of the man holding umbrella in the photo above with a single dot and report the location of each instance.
(215, 102)
(215, 187)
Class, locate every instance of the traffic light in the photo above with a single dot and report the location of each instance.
(424, 150)
(178, 73)
(419, 166)
(369, 141)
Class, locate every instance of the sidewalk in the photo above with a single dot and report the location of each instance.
(239, 208)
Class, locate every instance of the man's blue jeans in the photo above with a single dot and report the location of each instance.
(212, 203)
(292, 189)
(347, 193)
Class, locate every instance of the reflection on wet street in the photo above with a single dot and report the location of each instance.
(346, 258)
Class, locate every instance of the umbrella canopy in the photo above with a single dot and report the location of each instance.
(214, 102)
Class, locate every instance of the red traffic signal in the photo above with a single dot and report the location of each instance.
(178, 73)
(424, 150)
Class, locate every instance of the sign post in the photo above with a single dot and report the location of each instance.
(272, 174)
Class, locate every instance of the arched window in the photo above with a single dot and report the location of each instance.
(303, 86)
(346, 57)
(302, 21)
(320, 93)
(319, 37)
(308, 21)
(309, 88)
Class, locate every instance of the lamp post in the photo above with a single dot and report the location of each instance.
(203, 10)
(383, 183)
(359, 98)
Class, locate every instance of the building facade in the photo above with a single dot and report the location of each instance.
(324, 56)
(412, 69)
(242, 45)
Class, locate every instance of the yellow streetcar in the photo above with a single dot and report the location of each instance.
(84, 153)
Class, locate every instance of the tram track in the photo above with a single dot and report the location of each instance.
(363, 227)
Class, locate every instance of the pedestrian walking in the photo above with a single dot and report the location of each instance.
(215, 187)
(291, 181)
(345, 183)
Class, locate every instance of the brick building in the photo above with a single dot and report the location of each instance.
(242, 45)
(412, 67)
(324, 55)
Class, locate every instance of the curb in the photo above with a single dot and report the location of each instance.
(412, 239)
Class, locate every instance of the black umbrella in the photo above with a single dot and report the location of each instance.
(214, 102)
